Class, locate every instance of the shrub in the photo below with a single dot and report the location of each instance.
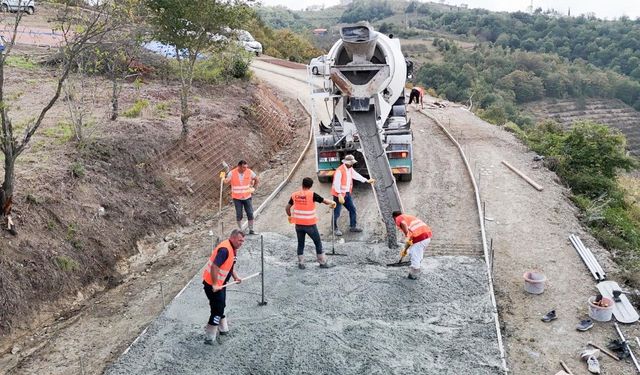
(65, 263)
(77, 170)
(136, 109)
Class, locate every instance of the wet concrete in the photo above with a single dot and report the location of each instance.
(359, 317)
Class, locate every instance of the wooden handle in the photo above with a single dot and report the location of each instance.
(605, 351)
(566, 368)
(246, 278)
(530, 181)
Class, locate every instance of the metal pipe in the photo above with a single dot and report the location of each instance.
(262, 302)
(633, 357)
(588, 258)
(582, 256)
(590, 255)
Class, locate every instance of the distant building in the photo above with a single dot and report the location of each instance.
(319, 31)
(464, 6)
(345, 2)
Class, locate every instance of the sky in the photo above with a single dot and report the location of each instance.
(603, 9)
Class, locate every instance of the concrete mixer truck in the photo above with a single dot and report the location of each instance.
(366, 114)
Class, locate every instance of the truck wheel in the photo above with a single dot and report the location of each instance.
(314, 70)
(4, 8)
(30, 10)
(324, 179)
(406, 177)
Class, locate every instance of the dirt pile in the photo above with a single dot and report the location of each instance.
(358, 317)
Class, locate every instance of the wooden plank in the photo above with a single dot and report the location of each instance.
(524, 177)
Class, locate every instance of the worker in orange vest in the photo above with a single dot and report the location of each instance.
(243, 182)
(217, 272)
(417, 94)
(418, 236)
(301, 211)
(341, 192)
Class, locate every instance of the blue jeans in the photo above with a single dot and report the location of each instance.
(312, 231)
(246, 203)
(348, 204)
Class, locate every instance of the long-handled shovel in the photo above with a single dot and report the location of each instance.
(400, 263)
(225, 168)
(333, 237)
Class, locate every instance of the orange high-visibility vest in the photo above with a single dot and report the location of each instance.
(225, 268)
(303, 211)
(239, 187)
(344, 183)
(418, 229)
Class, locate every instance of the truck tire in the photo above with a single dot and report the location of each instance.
(324, 179)
(314, 70)
(30, 10)
(406, 177)
(4, 8)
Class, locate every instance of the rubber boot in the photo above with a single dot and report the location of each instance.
(210, 334)
(301, 262)
(322, 260)
(223, 328)
(414, 274)
(251, 231)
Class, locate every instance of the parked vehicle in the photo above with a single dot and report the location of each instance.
(319, 65)
(250, 45)
(28, 6)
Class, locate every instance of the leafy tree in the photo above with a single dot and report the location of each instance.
(367, 10)
(195, 28)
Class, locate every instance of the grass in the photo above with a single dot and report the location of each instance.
(21, 63)
(62, 132)
(77, 170)
(136, 109)
(65, 263)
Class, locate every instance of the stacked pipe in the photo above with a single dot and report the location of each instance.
(588, 258)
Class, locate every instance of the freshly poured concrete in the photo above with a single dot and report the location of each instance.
(359, 317)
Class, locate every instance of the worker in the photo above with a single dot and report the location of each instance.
(418, 236)
(217, 272)
(243, 182)
(341, 191)
(417, 94)
(301, 211)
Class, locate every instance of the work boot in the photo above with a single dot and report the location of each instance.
(210, 334)
(251, 231)
(584, 325)
(302, 266)
(223, 328)
(551, 315)
(326, 265)
(337, 232)
(355, 229)
(412, 276)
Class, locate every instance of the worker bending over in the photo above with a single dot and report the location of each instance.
(217, 272)
(417, 94)
(341, 192)
(418, 236)
(243, 183)
(301, 211)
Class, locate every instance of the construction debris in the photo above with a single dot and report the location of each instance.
(588, 258)
(536, 185)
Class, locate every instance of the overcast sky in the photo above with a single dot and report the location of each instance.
(603, 9)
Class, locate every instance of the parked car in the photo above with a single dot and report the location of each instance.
(251, 45)
(28, 6)
(319, 65)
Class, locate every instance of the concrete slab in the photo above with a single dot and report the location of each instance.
(359, 317)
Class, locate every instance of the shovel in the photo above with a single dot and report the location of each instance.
(225, 168)
(400, 263)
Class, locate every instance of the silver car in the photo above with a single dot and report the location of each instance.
(319, 65)
(28, 6)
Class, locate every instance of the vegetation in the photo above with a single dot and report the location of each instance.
(284, 43)
(498, 79)
(367, 10)
(136, 109)
(194, 28)
(608, 44)
(65, 263)
(588, 158)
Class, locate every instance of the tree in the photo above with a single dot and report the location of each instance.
(195, 28)
(80, 28)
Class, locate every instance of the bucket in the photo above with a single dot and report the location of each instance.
(600, 313)
(534, 282)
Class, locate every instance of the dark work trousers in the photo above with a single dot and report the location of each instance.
(312, 231)
(217, 303)
(248, 207)
(348, 204)
(414, 95)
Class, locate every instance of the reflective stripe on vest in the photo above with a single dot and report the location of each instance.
(344, 182)
(224, 269)
(239, 187)
(417, 227)
(303, 211)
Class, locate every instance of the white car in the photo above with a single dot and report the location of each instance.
(251, 45)
(319, 65)
(27, 6)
